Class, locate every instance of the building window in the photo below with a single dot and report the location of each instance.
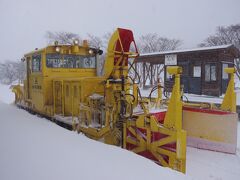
(224, 75)
(213, 73)
(36, 63)
(196, 71)
(210, 72)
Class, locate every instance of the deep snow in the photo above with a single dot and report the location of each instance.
(35, 148)
(6, 94)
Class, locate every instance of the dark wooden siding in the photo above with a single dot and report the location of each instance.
(198, 85)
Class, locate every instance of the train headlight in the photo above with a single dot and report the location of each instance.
(90, 51)
(75, 41)
(57, 49)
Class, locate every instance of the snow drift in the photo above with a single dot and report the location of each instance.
(35, 148)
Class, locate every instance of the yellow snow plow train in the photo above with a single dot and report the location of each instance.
(63, 83)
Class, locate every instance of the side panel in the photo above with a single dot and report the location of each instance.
(67, 99)
(36, 83)
(28, 95)
(211, 129)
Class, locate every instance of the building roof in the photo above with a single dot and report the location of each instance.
(187, 50)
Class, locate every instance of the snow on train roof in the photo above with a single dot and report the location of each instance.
(187, 50)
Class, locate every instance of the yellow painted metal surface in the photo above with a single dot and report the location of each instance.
(102, 107)
(173, 117)
(211, 127)
(211, 131)
(144, 126)
(215, 127)
(229, 101)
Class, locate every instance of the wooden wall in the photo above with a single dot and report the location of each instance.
(195, 85)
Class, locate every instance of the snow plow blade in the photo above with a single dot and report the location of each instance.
(213, 128)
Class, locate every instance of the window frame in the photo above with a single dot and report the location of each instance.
(224, 74)
(211, 66)
(39, 58)
(75, 61)
(194, 73)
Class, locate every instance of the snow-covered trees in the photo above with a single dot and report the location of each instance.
(225, 35)
(152, 42)
(11, 71)
(67, 38)
(62, 37)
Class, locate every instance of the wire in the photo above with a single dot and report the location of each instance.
(154, 89)
(130, 78)
(131, 67)
(139, 93)
(185, 97)
(131, 96)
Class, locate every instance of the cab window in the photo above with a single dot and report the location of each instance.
(36, 63)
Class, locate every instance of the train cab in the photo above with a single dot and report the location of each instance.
(54, 75)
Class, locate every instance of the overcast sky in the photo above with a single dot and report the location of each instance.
(23, 23)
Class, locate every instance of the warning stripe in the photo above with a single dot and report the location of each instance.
(209, 111)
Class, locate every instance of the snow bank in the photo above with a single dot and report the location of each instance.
(208, 165)
(6, 95)
(35, 148)
(195, 97)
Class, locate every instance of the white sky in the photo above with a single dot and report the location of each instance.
(23, 23)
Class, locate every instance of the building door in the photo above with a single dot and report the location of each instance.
(195, 80)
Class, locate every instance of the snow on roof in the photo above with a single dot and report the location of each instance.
(187, 50)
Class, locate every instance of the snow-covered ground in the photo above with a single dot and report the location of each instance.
(195, 97)
(35, 148)
(210, 99)
(6, 94)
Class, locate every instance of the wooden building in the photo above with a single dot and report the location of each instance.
(203, 68)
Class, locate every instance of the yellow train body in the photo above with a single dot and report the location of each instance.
(46, 80)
